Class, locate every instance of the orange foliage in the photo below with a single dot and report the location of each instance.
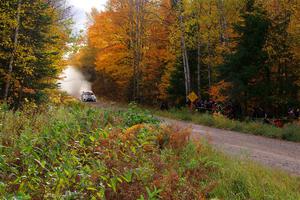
(217, 91)
(111, 36)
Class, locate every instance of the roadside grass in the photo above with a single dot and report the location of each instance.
(290, 132)
(80, 152)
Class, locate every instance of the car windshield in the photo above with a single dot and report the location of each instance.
(88, 93)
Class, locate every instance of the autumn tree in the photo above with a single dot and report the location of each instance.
(282, 60)
(131, 40)
(205, 23)
(32, 44)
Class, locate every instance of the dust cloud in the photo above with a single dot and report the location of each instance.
(73, 82)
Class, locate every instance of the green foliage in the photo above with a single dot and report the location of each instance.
(135, 115)
(291, 132)
(152, 195)
(79, 152)
(262, 70)
(246, 65)
(176, 88)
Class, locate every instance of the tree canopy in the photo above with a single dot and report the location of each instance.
(240, 52)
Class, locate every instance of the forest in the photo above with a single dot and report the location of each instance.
(242, 52)
(33, 37)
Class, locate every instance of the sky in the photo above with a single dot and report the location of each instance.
(81, 8)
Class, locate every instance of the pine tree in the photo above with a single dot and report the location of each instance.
(246, 68)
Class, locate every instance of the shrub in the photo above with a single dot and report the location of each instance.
(135, 115)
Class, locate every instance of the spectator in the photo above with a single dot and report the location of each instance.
(297, 113)
(291, 113)
(266, 120)
(164, 105)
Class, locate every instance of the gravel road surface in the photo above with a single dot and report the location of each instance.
(274, 153)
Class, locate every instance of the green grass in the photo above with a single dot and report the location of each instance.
(79, 152)
(290, 132)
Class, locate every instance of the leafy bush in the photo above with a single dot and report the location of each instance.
(135, 115)
(78, 152)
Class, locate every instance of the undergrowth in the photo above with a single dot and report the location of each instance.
(290, 132)
(79, 152)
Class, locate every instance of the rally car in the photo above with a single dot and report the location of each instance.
(88, 96)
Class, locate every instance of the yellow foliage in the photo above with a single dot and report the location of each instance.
(111, 34)
(217, 91)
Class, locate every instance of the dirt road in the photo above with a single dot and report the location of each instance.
(270, 152)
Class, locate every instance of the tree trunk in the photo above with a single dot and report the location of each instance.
(187, 70)
(209, 51)
(184, 53)
(12, 59)
(199, 54)
(184, 67)
(276, 6)
(209, 62)
(198, 66)
(223, 22)
(134, 37)
(137, 39)
(137, 18)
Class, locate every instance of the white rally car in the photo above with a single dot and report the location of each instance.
(88, 96)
